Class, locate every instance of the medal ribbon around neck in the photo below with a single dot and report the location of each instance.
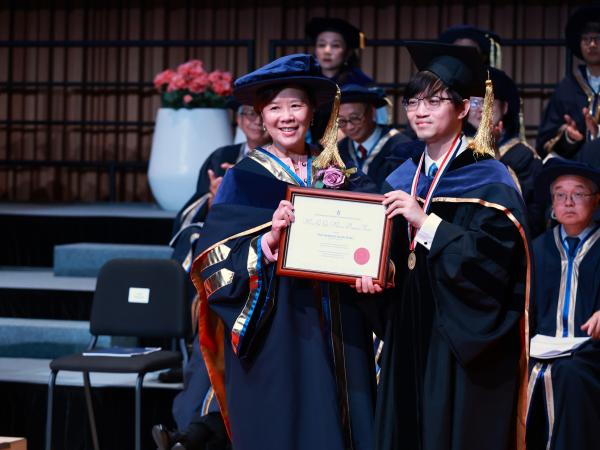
(450, 155)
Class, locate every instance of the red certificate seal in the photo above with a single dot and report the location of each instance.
(361, 256)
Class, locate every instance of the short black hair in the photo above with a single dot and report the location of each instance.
(264, 96)
(590, 27)
(429, 84)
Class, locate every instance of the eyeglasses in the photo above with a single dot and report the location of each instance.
(354, 120)
(575, 197)
(588, 39)
(476, 102)
(249, 114)
(431, 103)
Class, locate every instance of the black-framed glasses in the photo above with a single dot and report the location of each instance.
(354, 120)
(575, 197)
(431, 103)
(588, 39)
(249, 114)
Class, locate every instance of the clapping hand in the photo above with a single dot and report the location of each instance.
(592, 326)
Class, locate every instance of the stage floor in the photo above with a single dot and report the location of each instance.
(131, 210)
(37, 371)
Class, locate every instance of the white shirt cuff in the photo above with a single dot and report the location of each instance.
(427, 232)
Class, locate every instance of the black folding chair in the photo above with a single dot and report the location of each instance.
(144, 298)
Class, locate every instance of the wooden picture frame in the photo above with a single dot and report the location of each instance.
(337, 236)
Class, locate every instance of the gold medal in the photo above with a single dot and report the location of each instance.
(412, 260)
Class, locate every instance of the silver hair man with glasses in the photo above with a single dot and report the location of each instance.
(367, 144)
(564, 386)
(571, 117)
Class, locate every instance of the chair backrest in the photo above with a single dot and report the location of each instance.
(141, 297)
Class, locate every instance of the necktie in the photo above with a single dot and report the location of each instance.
(362, 152)
(572, 242)
(432, 170)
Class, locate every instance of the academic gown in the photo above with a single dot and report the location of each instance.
(290, 359)
(571, 95)
(375, 165)
(452, 361)
(527, 165)
(565, 392)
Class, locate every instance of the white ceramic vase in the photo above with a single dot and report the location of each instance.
(183, 139)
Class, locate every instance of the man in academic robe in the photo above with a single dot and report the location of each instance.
(564, 392)
(367, 144)
(571, 116)
(453, 362)
(511, 146)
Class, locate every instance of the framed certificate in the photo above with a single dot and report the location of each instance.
(336, 236)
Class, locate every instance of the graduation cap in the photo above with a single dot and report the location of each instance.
(354, 93)
(487, 41)
(298, 69)
(575, 25)
(558, 166)
(506, 90)
(353, 37)
(461, 69)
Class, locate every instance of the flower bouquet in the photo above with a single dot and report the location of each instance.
(191, 86)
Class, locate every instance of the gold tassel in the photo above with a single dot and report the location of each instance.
(522, 136)
(330, 155)
(483, 143)
(362, 40)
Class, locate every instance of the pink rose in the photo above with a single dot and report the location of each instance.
(333, 177)
(178, 81)
(187, 98)
(199, 83)
(163, 78)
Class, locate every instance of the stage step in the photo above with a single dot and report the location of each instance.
(40, 338)
(85, 259)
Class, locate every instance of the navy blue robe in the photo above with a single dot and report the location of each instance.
(376, 166)
(286, 372)
(452, 361)
(564, 393)
(570, 97)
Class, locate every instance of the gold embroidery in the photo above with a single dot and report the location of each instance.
(254, 283)
(272, 166)
(214, 256)
(217, 280)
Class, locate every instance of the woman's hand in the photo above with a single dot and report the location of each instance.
(282, 218)
(401, 203)
(592, 326)
(365, 285)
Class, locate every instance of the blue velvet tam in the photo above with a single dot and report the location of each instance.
(354, 93)
(556, 167)
(460, 68)
(299, 69)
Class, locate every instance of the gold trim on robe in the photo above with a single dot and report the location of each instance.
(524, 359)
(218, 280)
(216, 255)
(272, 166)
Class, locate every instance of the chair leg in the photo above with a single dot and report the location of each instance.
(90, 408)
(138, 411)
(51, 384)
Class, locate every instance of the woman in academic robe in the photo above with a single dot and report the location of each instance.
(453, 363)
(564, 392)
(290, 360)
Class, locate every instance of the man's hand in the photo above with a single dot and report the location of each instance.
(215, 182)
(570, 128)
(282, 218)
(592, 326)
(401, 203)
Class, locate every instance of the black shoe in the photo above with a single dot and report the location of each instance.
(178, 446)
(171, 376)
(162, 437)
